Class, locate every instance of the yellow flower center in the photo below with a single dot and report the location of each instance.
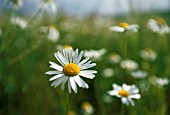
(67, 47)
(71, 69)
(17, 2)
(123, 93)
(53, 27)
(124, 24)
(161, 21)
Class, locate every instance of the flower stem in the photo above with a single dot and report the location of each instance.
(122, 109)
(67, 103)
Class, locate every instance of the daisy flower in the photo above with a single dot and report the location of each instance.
(158, 26)
(52, 31)
(16, 3)
(148, 54)
(122, 27)
(61, 47)
(129, 64)
(158, 81)
(108, 72)
(19, 22)
(71, 70)
(139, 74)
(87, 108)
(95, 54)
(126, 93)
(49, 5)
(115, 58)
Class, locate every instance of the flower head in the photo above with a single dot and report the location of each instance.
(115, 58)
(139, 74)
(126, 93)
(129, 64)
(49, 5)
(148, 54)
(123, 26)
(158, 26)
(16, 3)
(87, 108)
(71, 70)
(19, 22)
(95, 54)
(52, 31)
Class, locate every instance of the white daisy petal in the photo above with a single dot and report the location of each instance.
(73, 84)
(56, 66)
(65, 55)
(55, 77)
(125, 100)
(79, 57)
(69, 86)
(90, 76)
(57, 82)
(77, 80)
(84, 61)
(53, 72)
(135, 96)
(84, 84)
(71, 55)
(75, 56)
(59, 60)
(88, 71)
(131, 101)
(117, 29)
(63, 83)
(62, 58)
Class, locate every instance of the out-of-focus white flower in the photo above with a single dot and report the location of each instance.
(115, 58)
(87, 108)
(71, 70)
(107, 98)
(49, 5)
(159, 81)
(122, 27)
(139, 74)
(61, 47)
(19, 22)
(71, 113)
(53, 33)
(108, 72)
(129, 64)
(126, 93)
(16, 3)
(94, 54)
(148, 54)
(158, 26)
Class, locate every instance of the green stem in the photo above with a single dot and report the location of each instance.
(67, 103)
(122, 109)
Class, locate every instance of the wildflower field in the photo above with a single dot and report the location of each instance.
(91, 65)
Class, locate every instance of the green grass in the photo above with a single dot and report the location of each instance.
(24, 57)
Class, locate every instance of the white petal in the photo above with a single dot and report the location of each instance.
(84, 61)
(135, 96)
(83, 84)
(125, 100)
(56, 66)
(71, 55)
(61, 61)
(73, 84)
(75, 56)
(126, 87)
(69, 86)
(79, 57)
(62, 58)
(88, 66)
(66, 55)
(56, 76)
(131, 101)
(88, 71)
(90, 76)
(57, 82)
(64, 81)
(117, 29)
(77, 80)
(53, 72)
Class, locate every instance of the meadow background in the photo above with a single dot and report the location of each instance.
(25, 53)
